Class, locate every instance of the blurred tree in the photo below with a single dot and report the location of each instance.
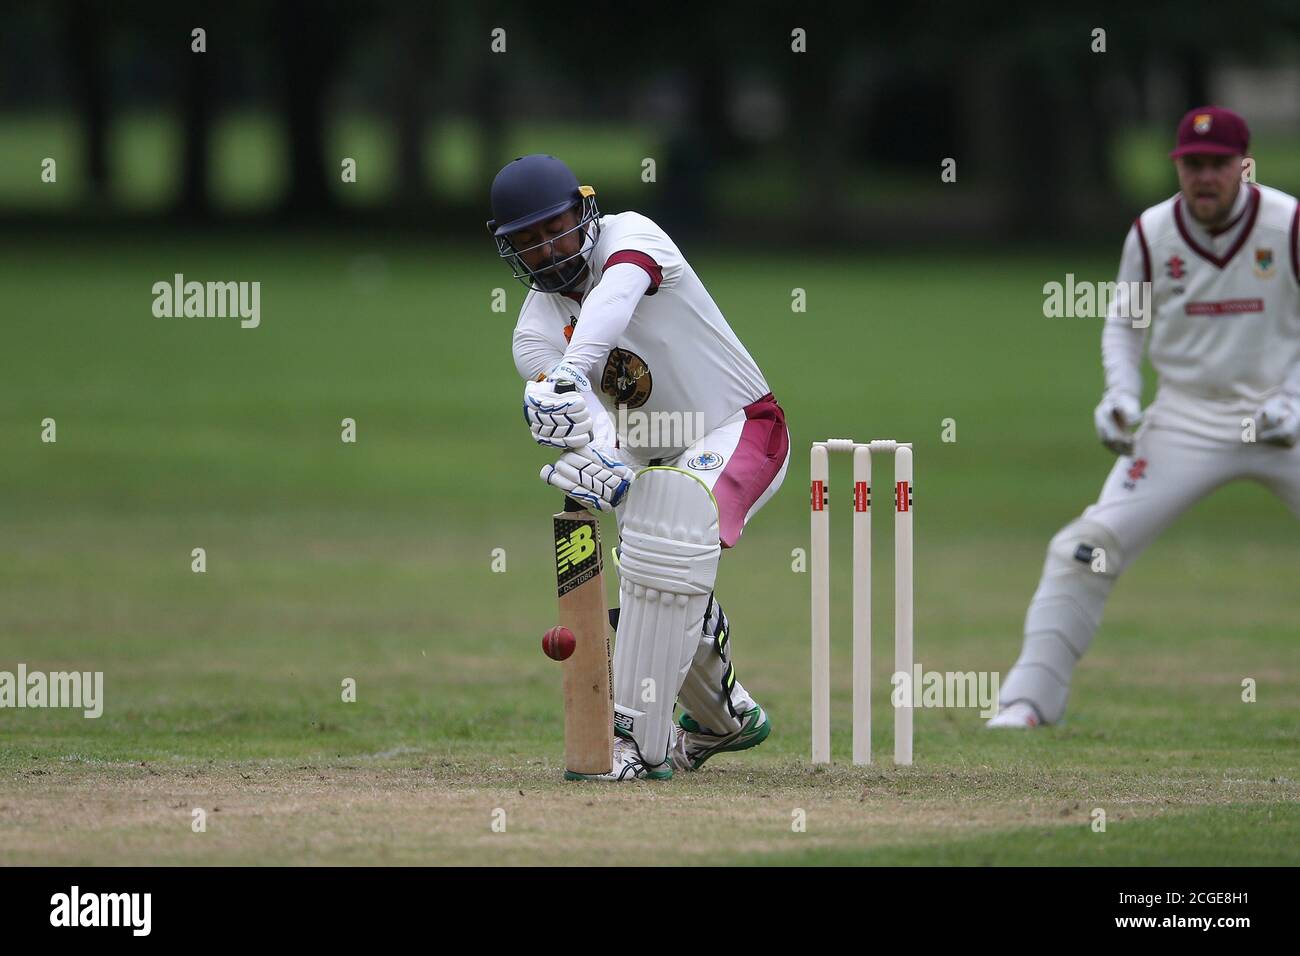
(411, 43)
(309, 38)
(86, 32)
(1016, 94)
(487, 104)
(704, 141)
(194, 200)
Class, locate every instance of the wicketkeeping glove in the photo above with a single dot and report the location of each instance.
(1278, 420)
(592, 475)
(1117, 418)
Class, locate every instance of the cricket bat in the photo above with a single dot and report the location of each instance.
(588, 673)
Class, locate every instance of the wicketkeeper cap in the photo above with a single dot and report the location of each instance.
(1212, 129)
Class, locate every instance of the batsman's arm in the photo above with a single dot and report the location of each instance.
(606, 315)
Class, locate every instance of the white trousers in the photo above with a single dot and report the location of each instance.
(1169, 471)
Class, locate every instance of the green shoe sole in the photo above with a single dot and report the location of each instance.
(664, 773)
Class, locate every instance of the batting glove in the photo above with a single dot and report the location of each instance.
(558, 420)
(1117, 418)
(592, 475)
(1278, 420)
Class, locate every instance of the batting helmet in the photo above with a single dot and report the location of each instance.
(528, 191)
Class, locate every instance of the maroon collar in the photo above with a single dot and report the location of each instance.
(575, 296)
(1250, 212)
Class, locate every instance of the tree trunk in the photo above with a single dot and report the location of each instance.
(86, 39)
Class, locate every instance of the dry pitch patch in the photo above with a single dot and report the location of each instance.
(434, 811)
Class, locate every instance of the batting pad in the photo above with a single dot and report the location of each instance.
(668, 563)
(710, 693)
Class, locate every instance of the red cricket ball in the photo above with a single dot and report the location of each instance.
(558, 643)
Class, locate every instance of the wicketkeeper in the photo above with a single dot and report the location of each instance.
(1224, 338)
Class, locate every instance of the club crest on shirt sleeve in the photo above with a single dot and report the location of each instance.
(705, 461)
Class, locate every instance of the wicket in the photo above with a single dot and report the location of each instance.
(821, 595)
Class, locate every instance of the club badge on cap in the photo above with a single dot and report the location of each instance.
(1213, 130)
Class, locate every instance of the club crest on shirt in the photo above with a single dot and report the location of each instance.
(626, 378)
(1264, 267)
(705, 461)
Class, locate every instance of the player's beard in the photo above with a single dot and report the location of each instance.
(1216, 216)
(567, 277)
(560, 279)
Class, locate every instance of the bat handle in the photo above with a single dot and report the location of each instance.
(561, 387)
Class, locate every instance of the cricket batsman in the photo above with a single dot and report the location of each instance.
(1224, 339)
(672, 427)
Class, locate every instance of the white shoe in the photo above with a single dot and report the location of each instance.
(1020, 715)
(627, 765)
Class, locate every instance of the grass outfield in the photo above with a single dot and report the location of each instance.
(374, 561)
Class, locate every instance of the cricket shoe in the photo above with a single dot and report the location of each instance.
(696, 744)
(1020, 715)
(627, 765)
